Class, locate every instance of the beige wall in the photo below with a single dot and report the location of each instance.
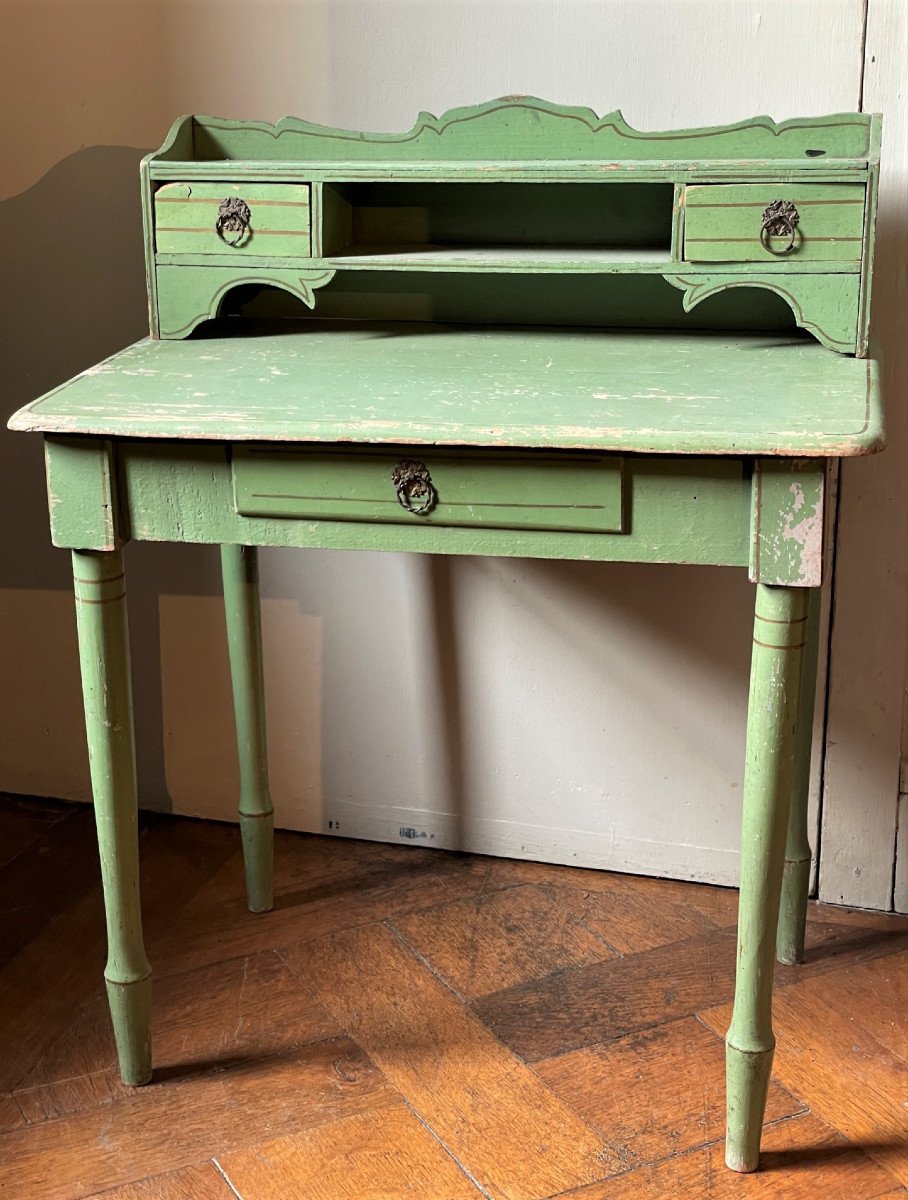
(568, 711)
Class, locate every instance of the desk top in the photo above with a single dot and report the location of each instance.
(397, 383)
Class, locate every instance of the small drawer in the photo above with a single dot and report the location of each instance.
(725, 222)
(233, 218)
(579, 492)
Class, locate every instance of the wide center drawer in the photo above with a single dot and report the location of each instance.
(570, 492)
(817, 221)
(255, 219)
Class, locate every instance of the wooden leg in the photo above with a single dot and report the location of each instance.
(779, 633)
(796, 876)
(100, 592)
(239, 565)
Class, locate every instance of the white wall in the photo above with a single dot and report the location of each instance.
(869, 674)
(560, 711)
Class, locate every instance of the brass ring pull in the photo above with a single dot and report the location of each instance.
(415, 490)
(780, 219)
(233, 217)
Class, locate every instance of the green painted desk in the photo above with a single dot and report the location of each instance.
(546, 439)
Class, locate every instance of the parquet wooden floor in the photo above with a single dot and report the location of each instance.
(412, 1023)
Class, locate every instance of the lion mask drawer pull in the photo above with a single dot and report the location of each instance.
(234, 216)
(415, 490)
(780, 219)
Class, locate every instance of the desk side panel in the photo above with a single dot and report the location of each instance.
(680, 510)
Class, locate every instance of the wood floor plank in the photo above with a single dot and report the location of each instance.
(803, 1159)
(384, 1155)
(583, 1005)
(495, 940)
(496, 1117)
(201, 1182)
(857, 918)
(631, 921)
(833, 946)
(37, 885)
(64, 963)
(827, 1058)
(718, 904)
(24, 820)
(11, 1116)
(620, 1089)
(203, 1020)
(169, 1125)
(359, 892)
(307, 864)
(875, 997)
(248, 1063)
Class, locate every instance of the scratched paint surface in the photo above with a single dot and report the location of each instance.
(459, 385)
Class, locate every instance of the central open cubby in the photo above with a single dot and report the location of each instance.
(441, 221)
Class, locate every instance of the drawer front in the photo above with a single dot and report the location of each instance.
(723, 222)
(579, 492)
(277, 224)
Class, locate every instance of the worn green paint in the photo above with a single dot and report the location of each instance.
(552, 389)
(100, 593)
(723, 222)
(568, 492)
(796, 874)
(239, 568)
(779, 633)
(825, 305)
(570, 193)
(82, 493)
(189, 294)
(186, 218)
(787, 521)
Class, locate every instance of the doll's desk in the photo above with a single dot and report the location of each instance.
(383, 427)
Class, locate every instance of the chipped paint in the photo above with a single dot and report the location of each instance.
(787, 522)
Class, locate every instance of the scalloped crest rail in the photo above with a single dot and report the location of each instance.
(339, 219)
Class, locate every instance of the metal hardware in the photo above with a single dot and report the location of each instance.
(780, 219)
(233, 217)
(413, 484)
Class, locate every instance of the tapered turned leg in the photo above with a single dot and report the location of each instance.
(796, 875)
(239, 565)
(771, 738)
(100, 592)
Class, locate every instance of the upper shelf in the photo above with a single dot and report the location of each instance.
(560, 259)
(362, 383)
(523, 129)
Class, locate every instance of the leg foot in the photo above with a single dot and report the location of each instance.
(257, 833)
(747, 1086)
(130, 1011)
(793, 912)
(239, 566)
